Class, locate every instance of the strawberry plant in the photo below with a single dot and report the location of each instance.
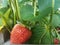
(41, 17)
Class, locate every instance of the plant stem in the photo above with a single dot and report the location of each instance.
(8, 29)
(13, 9)
(14, 19)
(17, 9)
(35, 8)
(52, 12)
(51, 16)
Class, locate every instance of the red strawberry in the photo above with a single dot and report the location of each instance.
(20, 34)
(56, 41)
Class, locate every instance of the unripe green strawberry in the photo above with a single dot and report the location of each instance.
(20, 34)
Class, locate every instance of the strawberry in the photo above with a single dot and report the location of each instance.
(20, 34)
(56, 41)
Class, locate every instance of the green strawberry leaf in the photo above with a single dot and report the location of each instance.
(37, 32)
(45, 8)
(47, 38)
(6, 15)
(56, 20)
(3, 10)
(27, 12)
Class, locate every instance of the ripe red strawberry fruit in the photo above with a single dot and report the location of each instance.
(20, 34)
(56, 41)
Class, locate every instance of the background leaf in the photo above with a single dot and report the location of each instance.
(57, 4)
(56, 20)
(3, 3)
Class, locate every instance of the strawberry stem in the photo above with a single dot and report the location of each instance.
(52, 12)
(8, 29)
(17, 9)
(35, 8)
